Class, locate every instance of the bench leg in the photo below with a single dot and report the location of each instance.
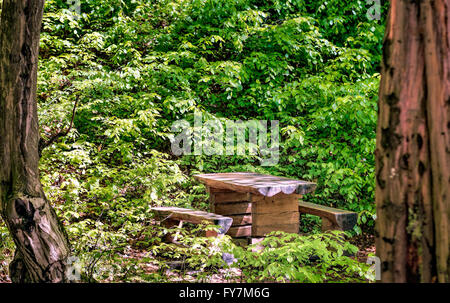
(258, 247)
(169, 223)
(180, 225)
(329, 225)
(211, 233)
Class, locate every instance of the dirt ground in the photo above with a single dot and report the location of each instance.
(366, 245)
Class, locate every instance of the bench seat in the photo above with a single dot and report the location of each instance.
(332, 218)
(172, 215)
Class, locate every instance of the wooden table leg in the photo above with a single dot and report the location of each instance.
(277, 213)
(235, 205)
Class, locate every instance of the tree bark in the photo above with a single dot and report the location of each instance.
(413, 144)
(41, 243)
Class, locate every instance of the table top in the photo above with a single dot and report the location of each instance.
(265, 185)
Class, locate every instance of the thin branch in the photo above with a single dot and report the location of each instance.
(45, 143)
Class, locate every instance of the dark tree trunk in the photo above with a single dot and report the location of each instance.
(41, 244)
(413, 144)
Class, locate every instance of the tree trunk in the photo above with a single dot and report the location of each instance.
(41, 244)
(413, 144)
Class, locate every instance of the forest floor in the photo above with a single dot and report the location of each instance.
(7, 255)
(365, 243)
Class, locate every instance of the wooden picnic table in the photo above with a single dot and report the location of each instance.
(258, 204)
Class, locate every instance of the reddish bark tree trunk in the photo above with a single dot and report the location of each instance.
(42, 245)
(413, 144)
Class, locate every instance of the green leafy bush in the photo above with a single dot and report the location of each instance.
(317, 258)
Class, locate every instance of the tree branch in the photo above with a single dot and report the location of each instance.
(43, 143)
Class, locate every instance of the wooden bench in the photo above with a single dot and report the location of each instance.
(172, 216)
(332, 218)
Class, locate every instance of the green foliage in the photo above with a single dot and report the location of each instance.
(316, 258)
(279, 257)
(6, 251)
(283, 257)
